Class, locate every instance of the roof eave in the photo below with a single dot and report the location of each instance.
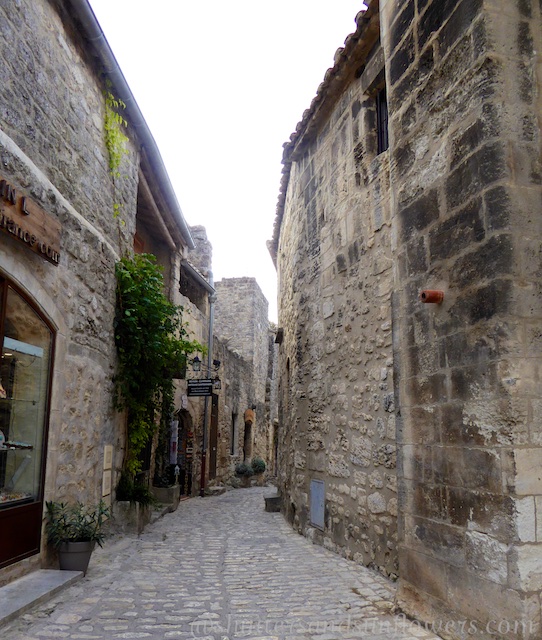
(92, 32)
(348, 60)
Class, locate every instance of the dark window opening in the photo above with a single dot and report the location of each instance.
(382, 120)
(233, 434)
(247, 442)
(193, 291)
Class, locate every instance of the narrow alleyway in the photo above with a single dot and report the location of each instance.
(220, 568)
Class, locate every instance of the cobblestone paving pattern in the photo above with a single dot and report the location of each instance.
(220, 568)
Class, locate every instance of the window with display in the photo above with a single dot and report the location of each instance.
(26, 341)
(24, 391)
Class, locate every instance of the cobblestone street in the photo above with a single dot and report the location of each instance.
(217, 568)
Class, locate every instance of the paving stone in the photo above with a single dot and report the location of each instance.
(227, 569)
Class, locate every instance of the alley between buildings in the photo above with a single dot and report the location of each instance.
(219, 568)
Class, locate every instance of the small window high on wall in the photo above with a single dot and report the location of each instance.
(382, 120)
(26, 342)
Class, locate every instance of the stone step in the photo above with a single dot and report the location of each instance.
(18, 596)
(273, 503)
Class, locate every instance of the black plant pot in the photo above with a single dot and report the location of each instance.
(75, 556)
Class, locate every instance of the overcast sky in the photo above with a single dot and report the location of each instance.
(222, 86)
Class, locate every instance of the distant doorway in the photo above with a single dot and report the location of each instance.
(185, 452)
(247, 438)
(213, 437)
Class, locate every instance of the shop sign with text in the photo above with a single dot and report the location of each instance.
(201, 387)
(24, 220)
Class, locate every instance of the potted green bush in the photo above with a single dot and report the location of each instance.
(74, 529)
(258, 467)
(245, 472)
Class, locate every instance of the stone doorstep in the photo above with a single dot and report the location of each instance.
(36, 587)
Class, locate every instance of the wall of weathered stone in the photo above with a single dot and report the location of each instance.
(336, 417)
(241, 330)
(271, 400)
(235, 398)
(52, 147)
(458, 197)
(241, 322)
(52, 150)
(464, 84)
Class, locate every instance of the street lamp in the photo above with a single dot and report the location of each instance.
(196, 363)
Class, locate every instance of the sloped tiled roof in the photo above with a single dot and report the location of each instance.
(347, 63)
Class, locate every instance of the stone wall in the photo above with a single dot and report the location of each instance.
(52, 147)
(465, 120)
(240, 343)
(52, 150)
(452, 205)
(336, 394)
(235, 398)
(241, 322)
(271, 400)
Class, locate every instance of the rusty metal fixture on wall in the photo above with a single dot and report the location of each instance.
(432, 295)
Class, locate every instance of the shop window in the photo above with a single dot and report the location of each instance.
(25, 368)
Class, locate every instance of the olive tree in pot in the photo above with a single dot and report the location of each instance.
(74, 530)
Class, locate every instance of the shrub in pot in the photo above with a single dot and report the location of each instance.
(258, 465)
(245, 472)
(74, 529)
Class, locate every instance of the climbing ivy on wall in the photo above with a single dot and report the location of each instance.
(115, 138)
(152, 344)
(114, 123)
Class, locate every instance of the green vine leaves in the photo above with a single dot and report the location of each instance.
(152, 344)
(115, 138)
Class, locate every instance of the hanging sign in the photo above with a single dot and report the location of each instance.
(203, 387)
(24, 220)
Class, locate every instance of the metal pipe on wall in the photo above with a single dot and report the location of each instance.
(205, 443)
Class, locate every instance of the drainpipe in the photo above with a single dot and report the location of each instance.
(204, 447)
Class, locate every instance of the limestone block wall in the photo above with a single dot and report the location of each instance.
(241, 321)
(240, 331)
(235, 398)
(464, 91)
(52, 149)
(271, 401)
(336, 388)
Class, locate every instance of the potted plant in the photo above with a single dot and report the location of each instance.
(245, 472)
(258, 467)
(74, 530)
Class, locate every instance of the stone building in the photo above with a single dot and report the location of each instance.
(242, 324)
(65, 221)
(410, 430)
(236, 421)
